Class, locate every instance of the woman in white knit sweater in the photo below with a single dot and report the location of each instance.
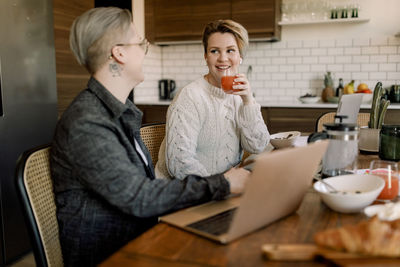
(207, 129)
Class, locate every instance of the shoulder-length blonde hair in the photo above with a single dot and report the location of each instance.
(95, 32)
(227, 25)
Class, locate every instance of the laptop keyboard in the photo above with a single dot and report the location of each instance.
(215, 225)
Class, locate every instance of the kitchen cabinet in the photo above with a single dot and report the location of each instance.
(177, 21)
(277, 119)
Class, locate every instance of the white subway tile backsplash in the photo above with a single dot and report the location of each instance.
(326, 60)
(378, 59)
(286, 52)
(295, 44)
(318, 68)
(387, 67)
(293, 76)
(286, 68)
(360, 76)
(379, 41)
(342, 59)
(344, 43)
(352, 67)
(334, 67)
(319, 52)
(352, 51)
(271, 68)
(390, 50)
(301, 84)
(310, 60)
(302, 68)
(283, 70)
(360, 59)
(377, 75)
(393, 58)
(310, 43)
(271, 53)
(286, 84)
(371, 50)
(302, 52)
(278, 76)
(278, 60)
(369, 67)
(327, 43)
(294, 60)
(393, 75)
(361, 42)
(262, 61)
(335, 51)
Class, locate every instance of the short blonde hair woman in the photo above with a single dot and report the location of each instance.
(104, 184)
(207, 128)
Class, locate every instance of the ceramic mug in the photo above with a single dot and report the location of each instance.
(369, 139)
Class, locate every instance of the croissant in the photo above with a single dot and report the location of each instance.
(372, 237)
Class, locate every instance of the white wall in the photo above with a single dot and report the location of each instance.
(284, 70)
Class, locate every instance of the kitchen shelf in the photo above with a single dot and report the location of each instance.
(330, 21)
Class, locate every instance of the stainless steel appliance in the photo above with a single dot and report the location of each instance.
(166, 89)
(28, 104)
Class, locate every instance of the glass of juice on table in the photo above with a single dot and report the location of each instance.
(227, 81)
(388, 171)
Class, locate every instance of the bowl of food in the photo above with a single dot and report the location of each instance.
(309, 99)
(352, 192)
(284, 139)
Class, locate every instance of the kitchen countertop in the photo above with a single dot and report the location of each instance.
(277, 105)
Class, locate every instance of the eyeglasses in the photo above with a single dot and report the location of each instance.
(144, 44)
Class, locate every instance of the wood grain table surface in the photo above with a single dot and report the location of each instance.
(165, 245)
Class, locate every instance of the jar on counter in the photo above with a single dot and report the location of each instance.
(389, 142)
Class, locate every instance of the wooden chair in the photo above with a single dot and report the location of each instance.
(152, 136)
(329, 117)
(35, 190)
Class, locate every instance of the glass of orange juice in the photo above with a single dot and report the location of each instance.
(227, 81)
(388, 171)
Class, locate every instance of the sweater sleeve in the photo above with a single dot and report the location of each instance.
(254, 135)
(183, 127)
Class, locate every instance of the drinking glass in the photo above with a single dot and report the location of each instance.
(227, 81)
(388, 171)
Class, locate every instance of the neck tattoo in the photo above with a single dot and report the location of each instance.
(115, 69)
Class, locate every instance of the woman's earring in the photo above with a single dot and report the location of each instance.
(240, 62)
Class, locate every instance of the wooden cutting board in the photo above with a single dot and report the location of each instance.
(310, 252)
(304, 252)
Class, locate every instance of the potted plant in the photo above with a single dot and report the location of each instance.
(369, 136)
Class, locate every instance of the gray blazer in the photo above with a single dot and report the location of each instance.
(105, 194)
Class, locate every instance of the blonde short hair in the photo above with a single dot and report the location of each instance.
(227, 25)
(95, 32)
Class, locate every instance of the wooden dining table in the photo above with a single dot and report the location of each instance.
(165, 245)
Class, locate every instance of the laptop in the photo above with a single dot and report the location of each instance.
(276, 188)
(349, 105)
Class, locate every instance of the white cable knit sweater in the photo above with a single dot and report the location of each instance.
(207, 130)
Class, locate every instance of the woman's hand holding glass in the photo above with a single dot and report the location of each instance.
(238, 85)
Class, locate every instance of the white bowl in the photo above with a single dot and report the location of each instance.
(309, 100)
(280, 140)
(368, 186)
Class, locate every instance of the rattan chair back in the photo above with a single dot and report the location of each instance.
(35, 189)
(152, 136)
(362, 120)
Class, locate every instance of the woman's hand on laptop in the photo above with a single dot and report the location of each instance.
(237, 178)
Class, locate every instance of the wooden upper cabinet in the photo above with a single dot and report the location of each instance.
(259, 17)
(184, 20)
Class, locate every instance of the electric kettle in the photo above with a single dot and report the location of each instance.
(341, 155)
